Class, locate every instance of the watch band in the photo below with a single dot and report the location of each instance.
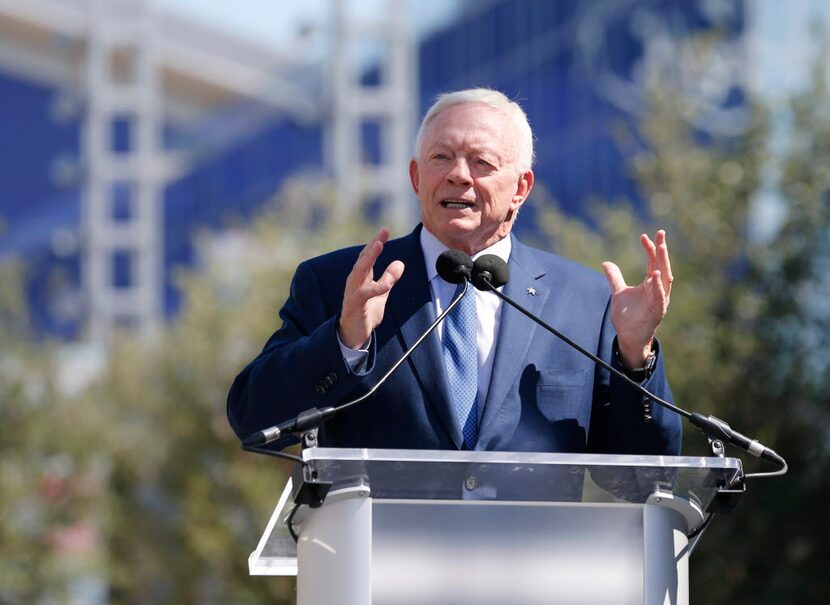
(639, 374)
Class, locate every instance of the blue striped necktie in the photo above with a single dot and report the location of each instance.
(461, 361)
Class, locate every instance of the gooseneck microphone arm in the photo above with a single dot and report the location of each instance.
(453, 266)
(599, 361)
(405, 356)
(490, 272)
(314, 417)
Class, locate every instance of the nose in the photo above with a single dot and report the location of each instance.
(459, 173)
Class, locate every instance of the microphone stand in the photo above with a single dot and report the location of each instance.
(308, 488)
(307, 423)
(406, 355)
(716, 430)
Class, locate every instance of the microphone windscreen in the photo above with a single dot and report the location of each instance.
(454, 266)
(490, 267)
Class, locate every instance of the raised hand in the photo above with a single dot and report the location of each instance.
(364, 299)
(636, 311)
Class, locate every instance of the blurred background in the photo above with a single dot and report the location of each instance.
(165, 164)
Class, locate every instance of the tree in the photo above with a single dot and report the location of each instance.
(747, 334)
(135, 484)
(188, 505)
(789, 381)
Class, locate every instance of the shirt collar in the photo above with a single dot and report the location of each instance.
(432, 248)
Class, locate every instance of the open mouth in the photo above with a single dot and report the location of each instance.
(457, 204)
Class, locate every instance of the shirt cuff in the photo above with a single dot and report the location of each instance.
(355, 359)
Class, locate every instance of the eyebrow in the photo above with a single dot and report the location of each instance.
(488, 151)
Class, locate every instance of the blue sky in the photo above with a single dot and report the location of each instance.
(780, 43)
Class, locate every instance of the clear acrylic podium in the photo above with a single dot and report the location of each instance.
(412, 527)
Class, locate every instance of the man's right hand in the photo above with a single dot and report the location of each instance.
(364, 299)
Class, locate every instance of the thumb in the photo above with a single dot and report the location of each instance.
(392, 274)
(614, 277)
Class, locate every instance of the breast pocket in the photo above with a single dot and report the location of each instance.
(559, 393)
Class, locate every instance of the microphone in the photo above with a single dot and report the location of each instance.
(490, 272)
(453, 266)
(715, 427)
(302, 422)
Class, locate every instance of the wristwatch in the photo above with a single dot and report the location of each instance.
(639, 374)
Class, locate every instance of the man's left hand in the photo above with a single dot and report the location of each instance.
(636, 311)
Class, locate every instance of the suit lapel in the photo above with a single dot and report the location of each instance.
(515, 330)
(411, 306)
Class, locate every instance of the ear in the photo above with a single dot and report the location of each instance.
(414, 176)
(523, 187)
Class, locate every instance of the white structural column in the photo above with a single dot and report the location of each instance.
(390, 106)
(123, 155)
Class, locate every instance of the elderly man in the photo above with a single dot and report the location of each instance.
(489, 378)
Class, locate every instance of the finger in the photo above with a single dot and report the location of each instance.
(614, 277)
(389, 278)
(362, 270)
(383, 285)
(659, 296)
(651, 253)
(372, 290)
(392, 274)
(383, 235)
(663, 262)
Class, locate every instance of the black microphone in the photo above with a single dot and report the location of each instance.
(302, 422)
(715, 427)
(453, 266)
(490, 272)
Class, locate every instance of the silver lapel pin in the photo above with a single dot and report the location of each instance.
(531, 291)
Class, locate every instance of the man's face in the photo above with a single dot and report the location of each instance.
(466, 178)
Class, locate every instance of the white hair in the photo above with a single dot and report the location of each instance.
(496, 100)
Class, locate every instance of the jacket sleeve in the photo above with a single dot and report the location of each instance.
(301, 365)
(622, 420)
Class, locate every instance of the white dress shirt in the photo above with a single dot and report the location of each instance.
(488, 306)
(488, 312)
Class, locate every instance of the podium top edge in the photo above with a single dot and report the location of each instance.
(451, 456)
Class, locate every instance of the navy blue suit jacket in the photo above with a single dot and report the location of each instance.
(543, 396)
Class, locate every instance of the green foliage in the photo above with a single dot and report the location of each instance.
(747, 334)
(788, 381)
(136, 480)
(42, 490)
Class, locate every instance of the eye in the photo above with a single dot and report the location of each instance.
(484, 163)
(440, 156)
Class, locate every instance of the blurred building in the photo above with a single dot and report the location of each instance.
(125, 129)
